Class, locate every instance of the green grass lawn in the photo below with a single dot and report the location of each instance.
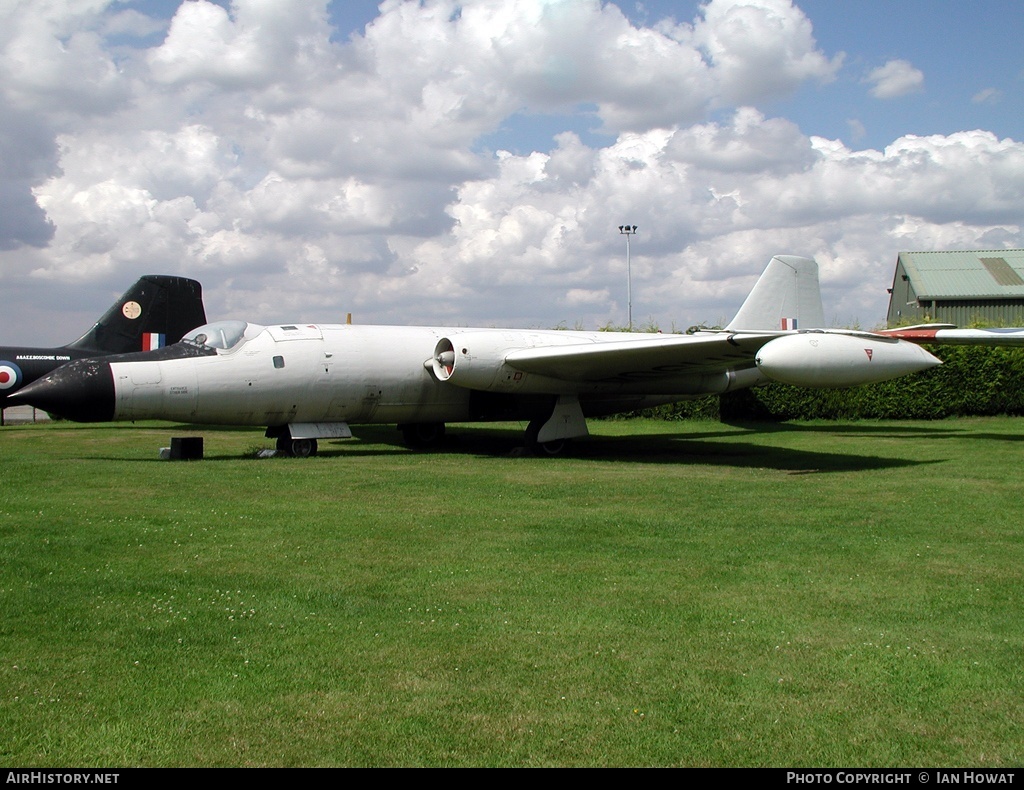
(810, 594)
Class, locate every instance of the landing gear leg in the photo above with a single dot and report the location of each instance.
(550, 435)
(545, 449)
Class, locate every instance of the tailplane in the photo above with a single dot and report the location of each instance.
(157, 311)
(786, 296)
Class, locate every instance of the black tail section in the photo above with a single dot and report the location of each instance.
(154, 312)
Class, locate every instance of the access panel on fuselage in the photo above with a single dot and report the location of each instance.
(284, 383)
(377, 374)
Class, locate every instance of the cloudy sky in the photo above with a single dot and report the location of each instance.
(468, 163)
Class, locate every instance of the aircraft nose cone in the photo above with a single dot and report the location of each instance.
(82, 391)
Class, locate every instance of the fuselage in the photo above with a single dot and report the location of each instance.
(283, 374)
(240, 373)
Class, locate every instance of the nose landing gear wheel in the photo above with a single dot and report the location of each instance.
(296, 448)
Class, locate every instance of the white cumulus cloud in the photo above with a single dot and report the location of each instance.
(302, 172)
(894, 79)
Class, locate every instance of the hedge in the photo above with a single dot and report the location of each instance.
(973, 381)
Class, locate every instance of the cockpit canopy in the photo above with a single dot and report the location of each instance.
(218, 335)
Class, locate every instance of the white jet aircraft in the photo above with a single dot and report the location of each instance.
(310, 381)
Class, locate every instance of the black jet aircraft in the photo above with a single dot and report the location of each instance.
(157, 311)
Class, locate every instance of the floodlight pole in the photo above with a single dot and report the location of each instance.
(627, 231)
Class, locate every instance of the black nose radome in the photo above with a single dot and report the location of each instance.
(82, 391)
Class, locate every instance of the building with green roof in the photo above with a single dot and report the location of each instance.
(962, 287)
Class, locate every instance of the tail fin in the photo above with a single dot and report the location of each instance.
(154, 312)
(786, 296)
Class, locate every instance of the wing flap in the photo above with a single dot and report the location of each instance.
(651, 356)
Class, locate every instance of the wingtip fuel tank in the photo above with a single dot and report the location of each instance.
(824, 359)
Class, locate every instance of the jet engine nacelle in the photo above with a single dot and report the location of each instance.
(820, 359)
(476, 360)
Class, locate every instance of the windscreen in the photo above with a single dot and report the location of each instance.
(220, 334)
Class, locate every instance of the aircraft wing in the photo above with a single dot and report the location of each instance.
(948, 335)
(649, 357)
(811, 358)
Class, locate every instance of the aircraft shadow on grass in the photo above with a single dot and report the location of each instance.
(925, 430)
(714, 447)
(666, 449)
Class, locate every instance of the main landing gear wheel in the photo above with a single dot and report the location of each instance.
(422, 435)
(296, 448)
(544, 449)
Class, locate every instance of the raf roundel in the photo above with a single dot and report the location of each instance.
(10, 375)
